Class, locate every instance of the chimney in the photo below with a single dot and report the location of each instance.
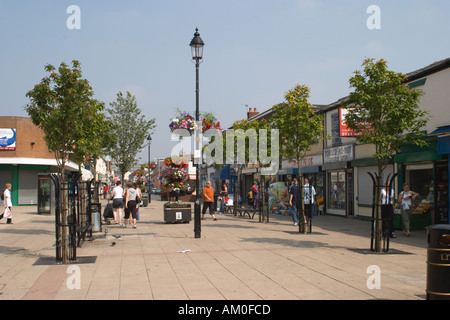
(251, 113)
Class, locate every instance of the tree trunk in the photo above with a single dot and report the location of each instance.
(262, 196)
(378, 222)
(64, 228)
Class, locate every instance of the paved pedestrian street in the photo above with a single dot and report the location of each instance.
(235, 259)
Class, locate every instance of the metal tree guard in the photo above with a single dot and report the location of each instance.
(78, 204)
(304, 225)
(384, 218)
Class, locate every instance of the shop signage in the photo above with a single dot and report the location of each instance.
(7, 139)
(338, 154)
(306, 162)
(344, 130)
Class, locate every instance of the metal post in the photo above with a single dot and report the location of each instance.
(149, 175)
(197, 223)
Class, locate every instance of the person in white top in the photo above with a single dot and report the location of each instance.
(130, 204)
(405, 200)
(387, 210)
(309, 194)
(8, 203)
(117, 196)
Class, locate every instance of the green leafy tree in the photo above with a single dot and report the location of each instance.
(254, 142)
(299, 128)
(62, 105)
(130, 128)
(384, 111)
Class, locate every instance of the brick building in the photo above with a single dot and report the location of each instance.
(23, 156)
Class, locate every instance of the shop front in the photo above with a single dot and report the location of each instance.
(339, 180)
(426, 171)
(444, 174)
(364, 166)
(311, 168)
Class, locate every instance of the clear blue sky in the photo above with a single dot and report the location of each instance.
(255, 50)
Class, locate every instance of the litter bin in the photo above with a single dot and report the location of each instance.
(96, 209)
(177, 213)
(144, 199)
(438, 262)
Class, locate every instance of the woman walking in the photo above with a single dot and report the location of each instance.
(138, 199)
(8, 204)
(405, 199)
(117, 196)
(130, 204)
(223, 195)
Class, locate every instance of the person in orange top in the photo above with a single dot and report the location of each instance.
(208, 200)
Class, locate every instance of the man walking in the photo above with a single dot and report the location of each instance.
(309, 196)
(208, 200)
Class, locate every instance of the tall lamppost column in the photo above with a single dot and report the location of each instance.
(149, 138)
(197, 55)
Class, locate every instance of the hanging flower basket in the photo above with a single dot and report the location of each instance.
(210, 122)
(183, 121)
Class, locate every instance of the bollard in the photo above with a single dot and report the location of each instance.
(438, 262)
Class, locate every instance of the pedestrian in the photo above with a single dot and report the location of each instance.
(309, 194)
(223, 196)
(130, 204)
(105, 191)
(8, 204)
(387, 209)
(294, 192)
(117, 194)
(208, 200)
(405, 200)
(250, 198)
(255, 191)
(138, 200)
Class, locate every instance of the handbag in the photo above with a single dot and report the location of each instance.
(7, 213)
(405, 206)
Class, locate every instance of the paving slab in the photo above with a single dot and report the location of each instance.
(236, 258)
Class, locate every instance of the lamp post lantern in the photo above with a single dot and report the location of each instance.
(197, 55)
(149, 138)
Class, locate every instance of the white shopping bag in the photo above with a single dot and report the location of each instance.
(7, 213)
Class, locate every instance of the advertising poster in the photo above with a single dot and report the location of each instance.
(7, 139)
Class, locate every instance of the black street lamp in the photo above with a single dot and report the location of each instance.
(197, 55)
(149, 138)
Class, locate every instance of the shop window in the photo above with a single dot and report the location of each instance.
(336, 189)
(442, 193)
(420, 179)
(335, 131)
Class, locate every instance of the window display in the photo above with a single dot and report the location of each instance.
(336, 190)
(420, 178)
(442, 193)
